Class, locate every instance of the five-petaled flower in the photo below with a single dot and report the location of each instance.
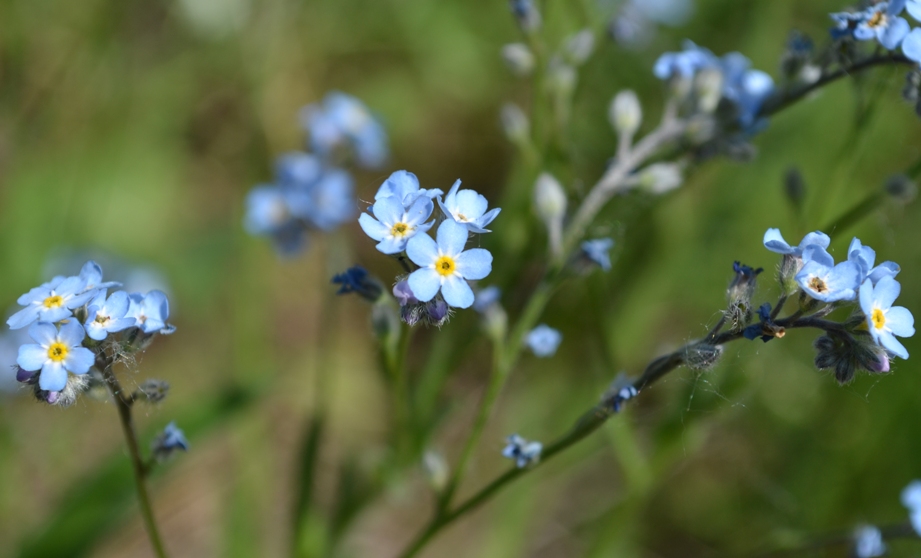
(884, 320)
(56, 353)
(543, 340)
(445, 266)
(468, 208)
(51, 302)
(864, 257)
(150, 311)
(522, 451)
(107, 316)
(821, 279)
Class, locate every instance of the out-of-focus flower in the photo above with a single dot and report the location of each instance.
(523, 452)
(356, 279)
(597, 251)
(868, 542)
(884, 320)
(341, 121)
(543, 340)
(170, 440)
(519, 58)
(445, 266)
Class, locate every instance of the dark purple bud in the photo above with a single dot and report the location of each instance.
(26, 376)
(438, 311)
(404, 294)
(52, 396)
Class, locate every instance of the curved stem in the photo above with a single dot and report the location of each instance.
(123, 403)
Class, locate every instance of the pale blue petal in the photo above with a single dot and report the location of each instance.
(419, 211)
(422, 250)
(43, 333)
(91, 273)
(885, 269)
(817, 254)
(79, 360)
(53, 314)
(117, 305)
(886, 291)
(94, 330)
(843, 282)
(457, 292)
(487, 218)
(424, 283)
(388, 210)
(892, 344)
(451, 195)
(866, 299)
(774, 242)
(817, 238)
(452, 237)
(892, 35)
(158, 305)
(911, 44)
(373, 227)
(71, 286)
(470, 204)
(900, 321)
(36, 294)
(81, 299)
(392, 245)
(53, 376)
(474, 264)
(895, 7)
(99, 300)
(914, 8)
(120, 324)
(864, 33)
(399, 184)
(24, 317)
(32, 357)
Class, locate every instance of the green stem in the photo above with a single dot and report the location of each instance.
(395, 358)
(123, 404)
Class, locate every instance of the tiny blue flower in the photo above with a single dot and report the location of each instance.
(684, 64)
(774, 242)
(393, 225)
(266, 210)
(486, 298)
(171, 439)
(57, 352)
(543, 340)
(821, 279)
(468, 208)
(748, 90)
(150, 311)
(356, 279)
(864, 257)
(51, 302)
(845, 24)
(911, 499)
(107, 316)
(321, 196)
(868, 542)
(523, 452)
(342, 121)
(911, 45)
(881, 22)
(884, 320)
(92, 274)
(445, 266)
(404, 186)
(597, 251)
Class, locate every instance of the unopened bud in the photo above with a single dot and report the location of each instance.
(580, 46)
(437, 312)
(549, 198)
(708, 87)
(514, 123)
(901, 188)
(526, 14)
(702, 356)
(794, 187)
(519, 58)
(152, 391)
(740, 294)
(66, 397)
(660, 178)
(790, 265)
(436, 470)
(625, 113)
(562, 78)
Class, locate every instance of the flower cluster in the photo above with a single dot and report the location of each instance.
(523, 452)
(72, 321)
(438, 269)
(310, 192)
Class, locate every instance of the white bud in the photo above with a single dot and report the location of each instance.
(708, 85)
(660, 178)
(625, 113)
(518, 58)
(549, 198)
(436, 470)
(562, 77)
(580, 46)
(514, 122)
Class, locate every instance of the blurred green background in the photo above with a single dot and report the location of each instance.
(131, 131)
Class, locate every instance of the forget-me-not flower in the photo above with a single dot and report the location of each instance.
(543, 340)
(522, 451)
(911, 45)
(171, 439)
(597, 251)
(342, 121)
(485, 298)
(746, 87)
(911, 499)
(404, 186)
(868, 542)
(468, 208)
(56, 353)
(51, 302)
(865, 257)
(150, 311)
(320, 195)
(356, 279)
(445, 266)
(394, 225)
(821, 279)
(884, 320)
(882, 22)
(774, 242)
(91, 273)
(684, 64)
(106, 316)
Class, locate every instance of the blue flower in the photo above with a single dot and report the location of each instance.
(821, 279)
(267, 213)
(57, 352)
(597, 251)
(884, 320)
(845, 24)
(404, 186)
(468, 208)
(747, 88)
(171, 439)
(445, 266)
(543, 340)
(522, 451)
(684, 64)
(344, 122)
(868, 542)
(393, 225)
(864, 257)
(150, 311)
(881, 22)
(92, 274)
(356, 279)
(404, 294)
(485, 298)
(321, 196)
(107, 316)
(774, 242)
(911, 499)
(51, 302)
(911, 46)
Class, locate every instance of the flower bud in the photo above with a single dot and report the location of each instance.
(514, 123)
(436, 470)
(794, 187)
(740, 294)
(437, 312)
(152, 391)
(625, 113)
(549, 198)
(562, 78)
(357, 280)
(902, 188)
(580, 46)
(518, 58)
(526, 14)
(27, 376)
(660, 178)
(67, 396)
(790, 265)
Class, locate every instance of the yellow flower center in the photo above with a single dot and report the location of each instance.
(878, 318)
(878, 19)
(400, 229)
(57, 352)
(100, 319)
(818, 285)
(53, 301)
(445, 265)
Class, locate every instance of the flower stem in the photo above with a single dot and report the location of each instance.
(123, 403)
